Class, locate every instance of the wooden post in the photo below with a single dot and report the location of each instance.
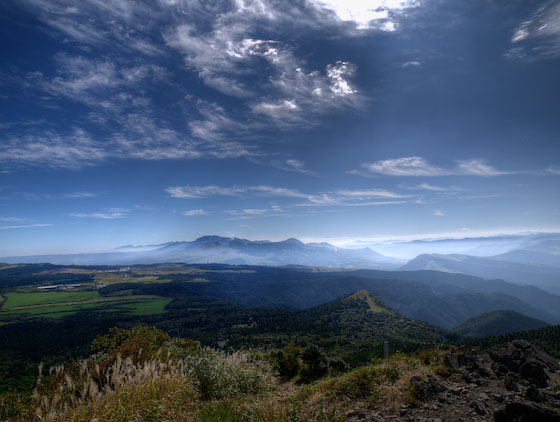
(386, 349)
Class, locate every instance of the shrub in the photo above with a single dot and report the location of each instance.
(120, 389)
(218, 375)
(179, 348)
(391, 372)
(413, 395)
(442, 371)
(289, 361)
(356, 385)
(138, 343)
(337, 366)
(315, 361)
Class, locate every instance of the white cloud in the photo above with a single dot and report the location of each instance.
(250, 212)
(439, 213)
(71, 151)
(10, 219)
(338, 78)
(477, 168)
(82, 194)
(276, 110)
(139, 137)
(295, 164)
(428, 187)
(272, 191)
(230, 62)
(326, 201)
(193, 213)
(223, 43)
(553, 170)
(413, 63)
(341, 197)
(418, 166)
(405, 166)
(24, 226)
(290, 165)
(109, 215)
(539, 35)
(101, 22)
(369, 193)
(367, 14)
(191, 192)
(99, 83)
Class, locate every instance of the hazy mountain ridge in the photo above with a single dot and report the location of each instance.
(225, 250)
(523, 267)
(439, 298)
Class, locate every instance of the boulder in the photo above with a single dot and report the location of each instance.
(533, 371)
(427, 389)
(526, 412)
(518, 352)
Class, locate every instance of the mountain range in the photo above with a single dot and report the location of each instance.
(525, 259)
(226, 250)
(518, 266)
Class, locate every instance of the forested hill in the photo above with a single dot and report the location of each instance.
(496, 323)
(548, 339)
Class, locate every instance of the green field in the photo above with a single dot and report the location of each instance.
(115, 278)
(165, 270)
(16, 300)
(142, 307)
(59, 304)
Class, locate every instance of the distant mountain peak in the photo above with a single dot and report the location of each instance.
(212, 238)
(293, 241)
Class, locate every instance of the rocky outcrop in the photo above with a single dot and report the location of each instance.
(524, 360)
(526, 412)
(426, 389)
(527, 371)
(516, 383)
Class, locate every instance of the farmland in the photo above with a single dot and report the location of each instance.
(59, 304)
(20, 300)
(108, 278)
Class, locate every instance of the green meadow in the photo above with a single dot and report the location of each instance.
(17, 300)
(59, 304)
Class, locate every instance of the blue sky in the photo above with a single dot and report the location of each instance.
(143, 122)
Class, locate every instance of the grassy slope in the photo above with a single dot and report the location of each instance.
(234, 389)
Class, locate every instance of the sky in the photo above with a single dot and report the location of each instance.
(142, 122)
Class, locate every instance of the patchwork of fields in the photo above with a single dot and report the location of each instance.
(51, 291)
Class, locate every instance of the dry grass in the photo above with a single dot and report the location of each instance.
(208, 385)
(159, 389)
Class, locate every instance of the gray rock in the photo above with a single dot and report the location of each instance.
(526, 412)
(533, 371)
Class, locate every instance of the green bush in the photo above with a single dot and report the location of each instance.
(289, 361)
(138, 343)
(358, 384)
(218, 375)
(391, 372)
(315, 362)
(337, 366)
